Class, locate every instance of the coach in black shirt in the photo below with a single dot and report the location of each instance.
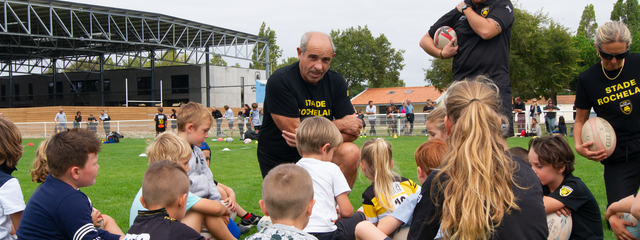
(483, 29)
(304, 89)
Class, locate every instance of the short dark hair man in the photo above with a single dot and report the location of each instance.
(484, 28)
(304, 89)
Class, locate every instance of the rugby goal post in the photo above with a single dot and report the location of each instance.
(126, 92)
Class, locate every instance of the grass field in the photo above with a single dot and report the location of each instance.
(121, 171)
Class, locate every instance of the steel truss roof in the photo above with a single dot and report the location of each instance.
(33, 32)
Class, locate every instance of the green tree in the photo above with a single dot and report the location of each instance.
(274, 50)
(588, 24)
(237, 65)
(627, 12)
(217, 60)
(440, 74)
(366, 61)
(286, 62)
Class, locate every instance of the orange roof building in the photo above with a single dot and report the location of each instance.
(382, 96)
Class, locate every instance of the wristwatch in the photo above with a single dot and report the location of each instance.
(463, 8)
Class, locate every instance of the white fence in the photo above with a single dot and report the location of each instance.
(384, 126)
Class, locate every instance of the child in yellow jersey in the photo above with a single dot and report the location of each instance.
(388, 190)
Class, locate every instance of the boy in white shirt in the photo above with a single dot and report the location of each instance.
(317, 139)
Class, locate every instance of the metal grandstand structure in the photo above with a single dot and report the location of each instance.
(42, 37)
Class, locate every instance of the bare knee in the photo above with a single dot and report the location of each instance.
(346, 157)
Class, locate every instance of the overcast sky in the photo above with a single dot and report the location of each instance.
(403, 22)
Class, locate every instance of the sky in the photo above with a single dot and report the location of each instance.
(403, 22)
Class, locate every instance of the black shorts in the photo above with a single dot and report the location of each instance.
(346, 228)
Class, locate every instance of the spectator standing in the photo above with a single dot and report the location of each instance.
(104, 118)
(174, 122)
(228, 114)
(61, 120)
(519, 109)
(534, 110)
(255, 119)
(371, 115)
(92, 124)
(428, 107)
(550, 118)
(78, 119)
(217, 115)
(410, 116)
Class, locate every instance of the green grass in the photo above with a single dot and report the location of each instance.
(121, 171)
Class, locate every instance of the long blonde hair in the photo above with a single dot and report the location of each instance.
(377, 157)
(476, 177)
(40, 171)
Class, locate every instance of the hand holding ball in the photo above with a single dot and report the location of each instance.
(443, 36)
(601, 133)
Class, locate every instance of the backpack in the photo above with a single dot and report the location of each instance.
(114, 137)
(251, 134)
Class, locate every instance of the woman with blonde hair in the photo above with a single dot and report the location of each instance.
(479, 192)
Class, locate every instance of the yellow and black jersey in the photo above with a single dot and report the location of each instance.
(402, 188)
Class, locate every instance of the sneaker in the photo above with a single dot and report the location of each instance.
(243, 229)
(253, 220)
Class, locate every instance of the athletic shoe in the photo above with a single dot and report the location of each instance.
(243, 229)
(253, 220)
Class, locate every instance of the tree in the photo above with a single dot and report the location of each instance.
(286, 62)
(366, 61)
(588, 24)
(627, 12)
(217, 60)
(537, 67)
(274, 50)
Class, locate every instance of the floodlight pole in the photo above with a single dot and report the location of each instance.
(102, 79)
(153, 75)
(55, 73)
(11, 91)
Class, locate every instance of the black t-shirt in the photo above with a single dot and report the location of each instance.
(585, 211)
(427, 108)
(530, 222)
(159, 226)
(216, 114)
(618, 100)
(288, 95)
(161, 122)
(519, 106)
(90, 119)
(477, 56)
(78, 118)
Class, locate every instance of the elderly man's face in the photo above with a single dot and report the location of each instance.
(315, 61)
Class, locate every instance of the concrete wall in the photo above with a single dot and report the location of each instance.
(226, 82)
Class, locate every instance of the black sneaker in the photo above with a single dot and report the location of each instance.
(253, 220)
(243, 229)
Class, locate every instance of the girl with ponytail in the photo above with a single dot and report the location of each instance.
(479, 192)
(388, 189)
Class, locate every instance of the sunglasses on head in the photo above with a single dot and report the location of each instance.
(609, 56)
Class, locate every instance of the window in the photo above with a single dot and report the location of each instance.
(30, 86)
(16, 90)
(391, 92)
(58, 90)
(409, 91)
(144, 86)
(180, 84)
(3, 93)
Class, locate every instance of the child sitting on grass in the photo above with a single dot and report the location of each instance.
(428, 156)
(287, 198)
(11, 199)
(552, 160)
(58, 210)
(435, 124)
(388, 189)
(317, 139)
(165, 188)
(40, 172)
(228, 197)
(168, 146)
(194, 122)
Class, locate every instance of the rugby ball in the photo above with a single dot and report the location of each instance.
(443, 36)
(247, 140)
(263, 223)
(601, 133)
(559, 226)
(229, 140)
(220, 139)
(635, 231)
